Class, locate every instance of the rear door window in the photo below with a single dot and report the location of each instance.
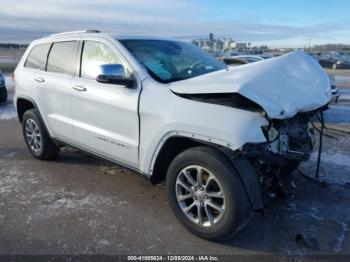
(62, 57)
(37, 57)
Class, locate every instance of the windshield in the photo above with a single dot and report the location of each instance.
(169, 61)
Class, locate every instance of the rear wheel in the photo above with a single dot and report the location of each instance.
(206, 194)
(36, 137)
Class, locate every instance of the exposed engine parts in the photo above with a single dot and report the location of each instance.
(289, 142)
(289, 139)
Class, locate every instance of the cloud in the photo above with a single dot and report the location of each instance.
(27, 20)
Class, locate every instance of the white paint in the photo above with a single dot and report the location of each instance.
(283, 86)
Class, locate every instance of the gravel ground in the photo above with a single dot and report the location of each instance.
(79, 204)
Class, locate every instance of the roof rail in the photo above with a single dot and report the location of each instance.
(77, 32)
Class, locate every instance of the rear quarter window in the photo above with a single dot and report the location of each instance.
(37, 57)
(62, 57)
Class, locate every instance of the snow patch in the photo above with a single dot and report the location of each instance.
(87, 201)
(7, 184)
(103, 243)
(7, 111)
(10, 183)
(333, 158)
(335, 167)
(341, 237)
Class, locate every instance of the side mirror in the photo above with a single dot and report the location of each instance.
(114, 74)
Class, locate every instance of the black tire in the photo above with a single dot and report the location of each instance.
(3, 95)
(237, 206)
(48, 150)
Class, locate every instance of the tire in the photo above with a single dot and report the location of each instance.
(37, 139)
(3, 95)
(236, 205)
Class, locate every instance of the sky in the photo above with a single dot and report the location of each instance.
(283, 23)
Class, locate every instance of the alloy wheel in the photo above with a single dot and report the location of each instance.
(200, 196)
(33, 135)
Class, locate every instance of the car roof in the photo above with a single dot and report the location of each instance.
(138, 37)
(96, 33)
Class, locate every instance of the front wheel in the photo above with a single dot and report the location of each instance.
(206, 194)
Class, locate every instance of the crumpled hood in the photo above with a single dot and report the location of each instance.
(282, 86)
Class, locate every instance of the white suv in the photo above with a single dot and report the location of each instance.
(168, 110)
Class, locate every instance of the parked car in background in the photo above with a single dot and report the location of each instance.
(3, 90)
(255, 58)
(341, 65)
(249, 58)
(246, 59)
(233, 61)
(326, 63)
(334, 89)
(170, 111)
(243, 59)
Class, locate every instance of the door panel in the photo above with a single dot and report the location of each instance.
(55, 88)
(55, 102)
(105, 116)
(105, 120)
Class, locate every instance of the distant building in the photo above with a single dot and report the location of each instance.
(239, 45)
(206, 45)
(222, 46)
(228, 42)
(211, 37)
(218, 45)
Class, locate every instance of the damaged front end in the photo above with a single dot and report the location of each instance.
(288, 143)
(286, 140)
(288, 91)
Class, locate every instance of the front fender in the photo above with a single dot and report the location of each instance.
(164, 114)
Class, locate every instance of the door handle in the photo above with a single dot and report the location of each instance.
(79, 88)
(39, 79)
